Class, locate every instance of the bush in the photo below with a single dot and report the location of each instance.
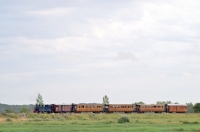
(186, 122)
(123, 119)
(9, 111)
(25, 110)
(8, 119)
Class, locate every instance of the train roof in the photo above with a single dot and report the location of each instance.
(151, 104)
(61, 104)
(87, 104)
(119, 104)
(176, 104)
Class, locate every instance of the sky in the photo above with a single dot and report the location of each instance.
(77, 51)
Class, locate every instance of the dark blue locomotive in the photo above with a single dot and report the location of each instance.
(43, 109)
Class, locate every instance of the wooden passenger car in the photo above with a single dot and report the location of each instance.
(61, 108)
(95, 108)
(110, 108)
(141, 108)
(176, 108)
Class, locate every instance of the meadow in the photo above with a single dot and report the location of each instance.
(88, 122)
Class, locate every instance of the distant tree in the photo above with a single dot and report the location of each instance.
(176, 103)
(39, 100)
(168, 102)
(25, 110)
(140, 102)
(190, 107)
(160, 102)
(197, 108)
(105, 100)
(9, 111)
(163, 102)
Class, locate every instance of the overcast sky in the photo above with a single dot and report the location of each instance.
(75, 51)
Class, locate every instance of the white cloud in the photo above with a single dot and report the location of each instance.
(52, 12)
(16, 77)
(96, 48)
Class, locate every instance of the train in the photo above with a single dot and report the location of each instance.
(111, 108)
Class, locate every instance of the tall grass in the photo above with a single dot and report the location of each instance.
(88, 122)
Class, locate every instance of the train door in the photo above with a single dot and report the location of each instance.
(138, 108)
(62, 108)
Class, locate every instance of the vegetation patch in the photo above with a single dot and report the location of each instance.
(8, 119)
(123, 119)
(186, 122)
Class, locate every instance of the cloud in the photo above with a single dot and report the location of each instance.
(106, 46)
(52, 12)
(16, 77)
(127, 56)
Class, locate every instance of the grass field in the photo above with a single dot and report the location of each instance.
(98, 122)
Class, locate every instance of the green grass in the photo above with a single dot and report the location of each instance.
(100, 123)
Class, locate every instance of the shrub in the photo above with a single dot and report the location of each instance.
(25, 110)
(9, 111)
(123, 119)
(9, 119)
(186, 122)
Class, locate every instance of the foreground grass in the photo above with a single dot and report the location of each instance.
(98, 122)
